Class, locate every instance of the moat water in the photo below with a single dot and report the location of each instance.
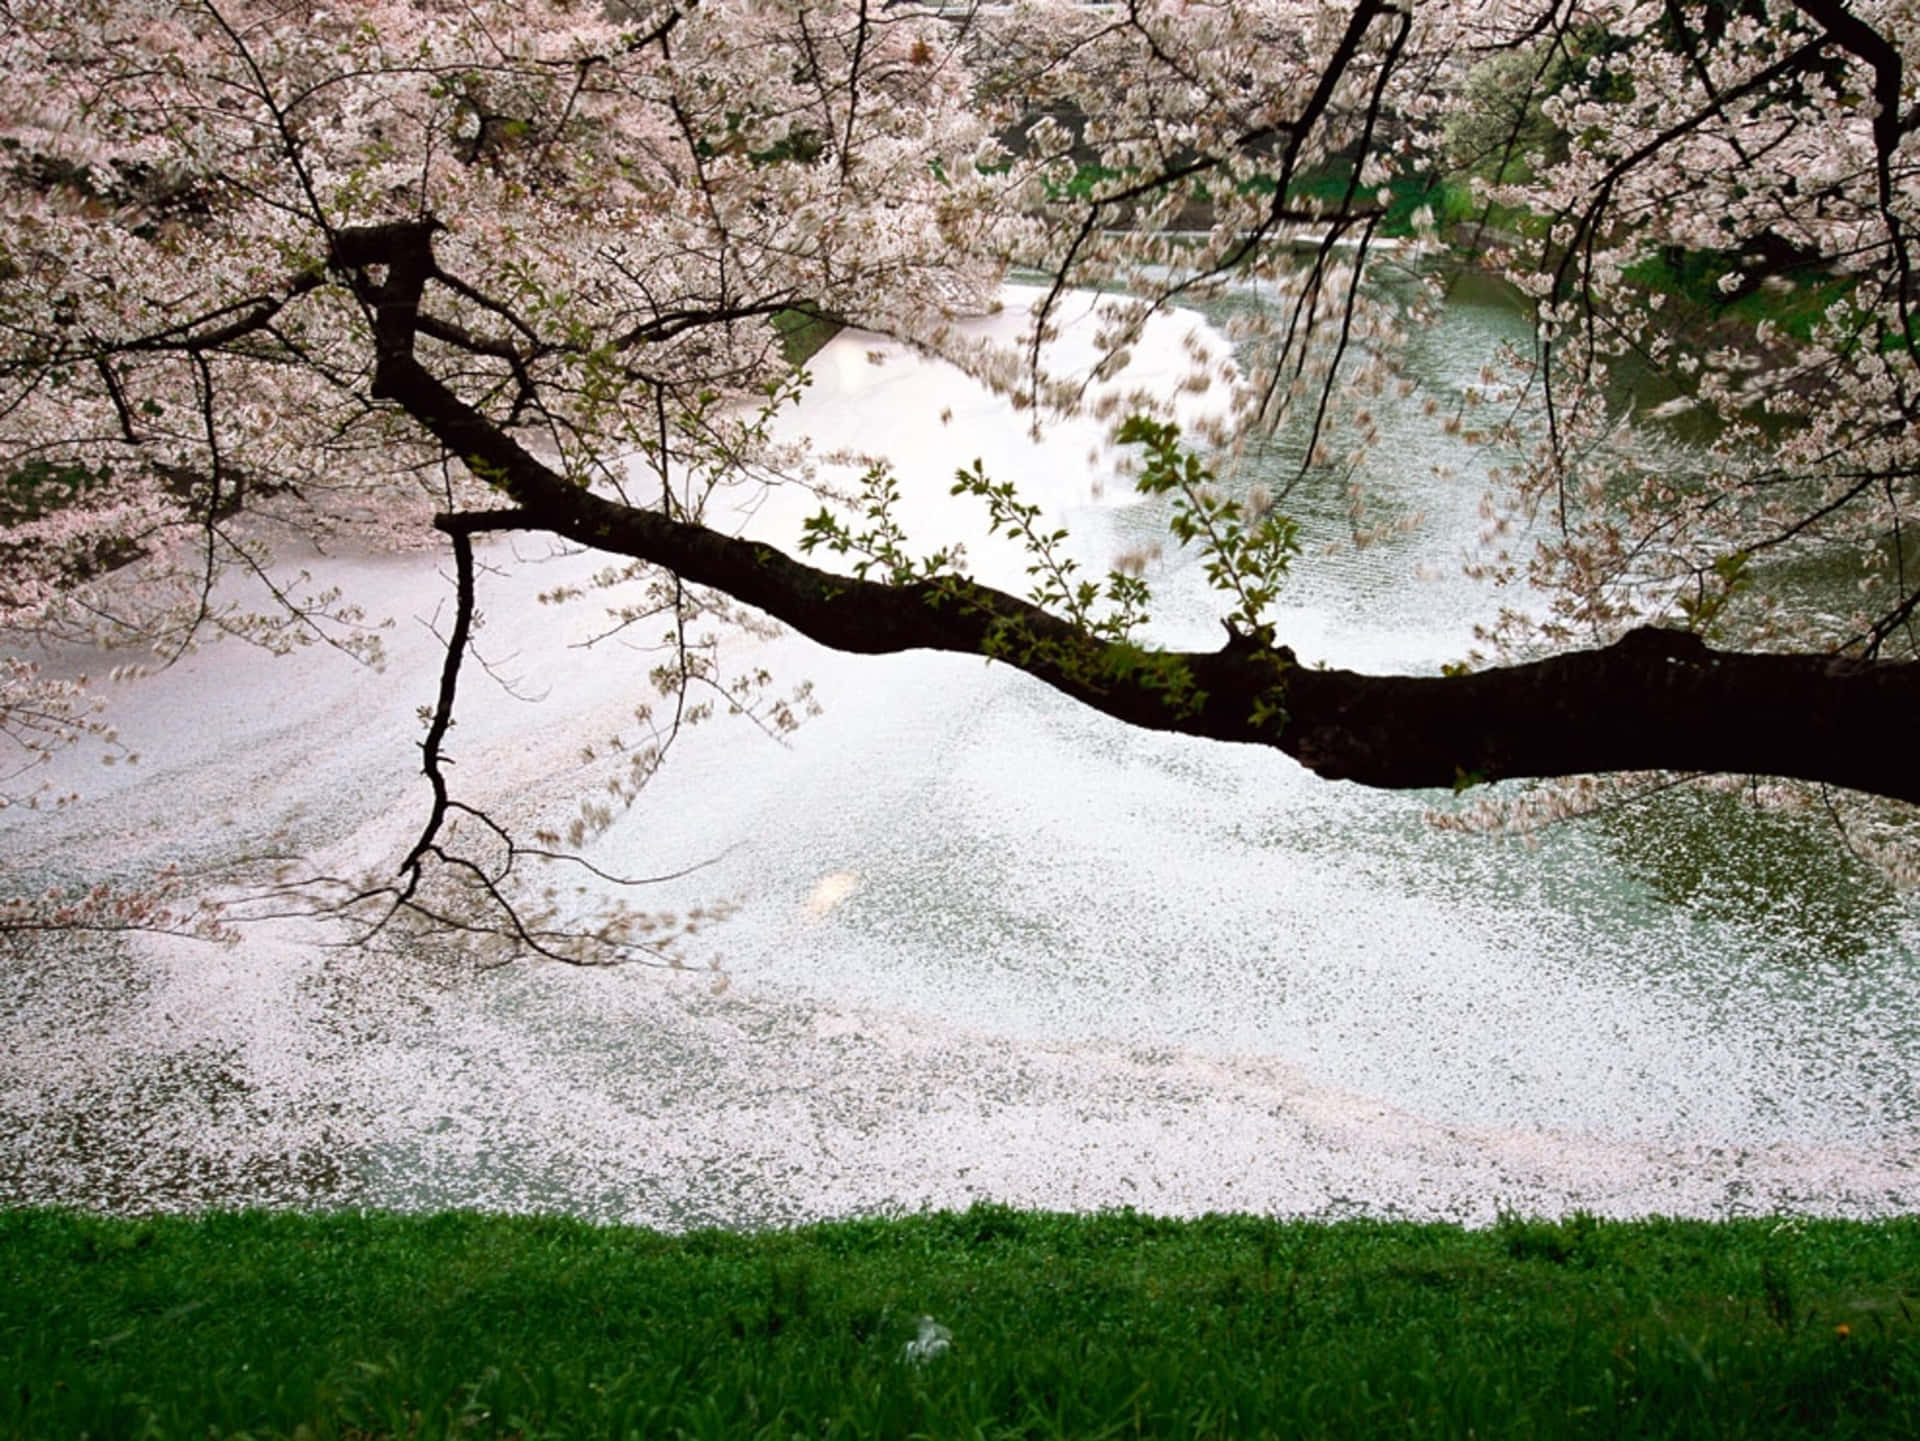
(984, 944)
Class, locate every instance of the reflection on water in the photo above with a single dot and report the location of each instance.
(989, 945)
(1780, 877)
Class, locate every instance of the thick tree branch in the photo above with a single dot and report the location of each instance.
(1655, 700)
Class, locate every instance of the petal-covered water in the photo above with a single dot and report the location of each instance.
(986, 944)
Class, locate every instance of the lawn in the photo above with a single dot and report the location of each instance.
(1108, 1325)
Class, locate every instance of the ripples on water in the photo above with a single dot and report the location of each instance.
(988, 944)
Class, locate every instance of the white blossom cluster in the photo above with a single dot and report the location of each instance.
(223, 223)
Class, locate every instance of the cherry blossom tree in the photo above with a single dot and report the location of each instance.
(423, 271)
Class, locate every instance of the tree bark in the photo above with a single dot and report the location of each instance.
(1654, 700)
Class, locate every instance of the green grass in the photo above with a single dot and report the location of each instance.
(1112, 1325)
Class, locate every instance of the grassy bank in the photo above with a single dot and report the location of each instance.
(802, 335)
(351, 1326)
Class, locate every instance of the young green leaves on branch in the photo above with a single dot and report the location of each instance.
(1057, 585)
(882, 546)
(1245, 544)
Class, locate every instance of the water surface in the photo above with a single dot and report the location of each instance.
(986, 944)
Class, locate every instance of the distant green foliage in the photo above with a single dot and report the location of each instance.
(802, 335)
(1448, 198)
(1499, 130)
(1112, 1325)
(36, 488)
(1796, 303)
(1087, 180)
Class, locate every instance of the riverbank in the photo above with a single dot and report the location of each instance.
(1040, 1325)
